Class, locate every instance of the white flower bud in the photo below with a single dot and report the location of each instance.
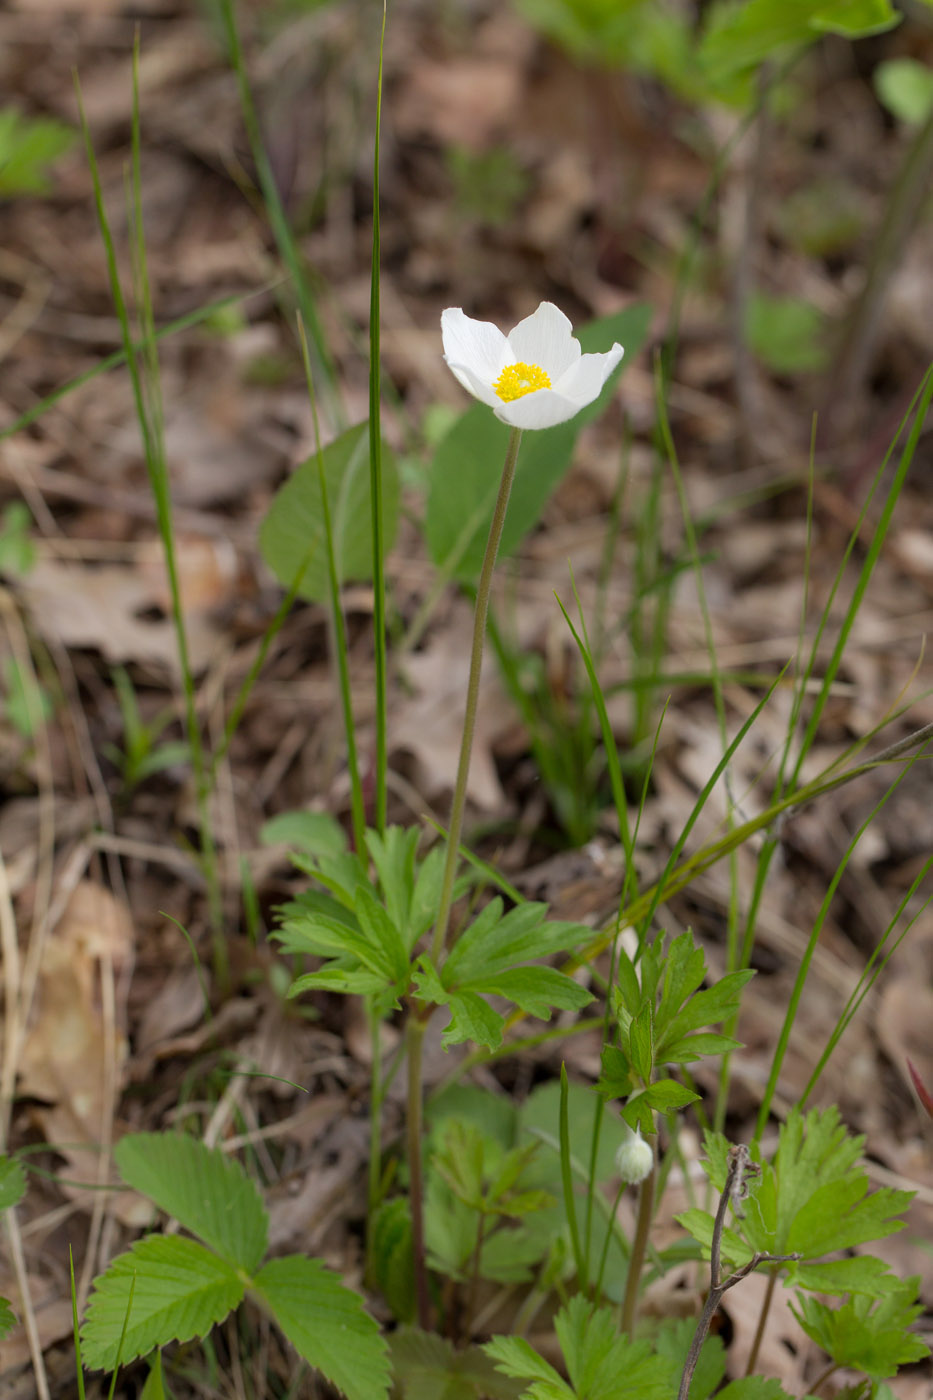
(634, 1158)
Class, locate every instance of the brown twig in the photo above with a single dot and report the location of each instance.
(736, 1187)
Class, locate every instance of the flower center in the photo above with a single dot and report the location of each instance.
(516, 381)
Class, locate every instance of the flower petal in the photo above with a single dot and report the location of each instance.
(545, 338)
(478, 346)
(583, 381)
(474, 385)
(542, 409)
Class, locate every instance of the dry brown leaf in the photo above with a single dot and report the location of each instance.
(64, 1061)
(429, 725)
(106, 608)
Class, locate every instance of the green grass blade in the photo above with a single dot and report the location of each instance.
(278, 219)
(566, 1176)
(375, 466)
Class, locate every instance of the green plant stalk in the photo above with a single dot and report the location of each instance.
(375, 472)
(281, 230)
(158, 478)
(639, 1249)
(458, 805)
(581, 1262)
(338, 627)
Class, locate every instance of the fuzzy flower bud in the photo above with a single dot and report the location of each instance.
(634, 1158)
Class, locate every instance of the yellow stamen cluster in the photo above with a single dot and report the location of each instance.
(516, 381)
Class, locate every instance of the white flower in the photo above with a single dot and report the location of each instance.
(536, 376)
(634, 1158)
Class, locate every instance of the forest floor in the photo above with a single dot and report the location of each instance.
(510, 175)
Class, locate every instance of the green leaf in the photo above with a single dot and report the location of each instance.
(705, 1008)
(753, 1388)
(870, 1335)
(208, 1192)
(12, 1182)
(27, 148)
(615, 1080)
(787, 334)
(672, 1342)
(905, 86)
(641, 1043)
(326, 1324)
(740, 37)
(180, 1290)
(349, 981)
(694, 1047)
(393, 1264)
(7, 1319)
(493, 942)
(537, 990)
(26, 704)
(318, 833)
(427, 1368)
(516, 1357)
(382, 933)
(17, 550)
(154, 1385)
(597, 1357)
(292, 533)
(464, 483)
(472, 1018)
(861, 1274)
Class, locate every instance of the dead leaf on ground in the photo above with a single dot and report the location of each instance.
(71, 1055)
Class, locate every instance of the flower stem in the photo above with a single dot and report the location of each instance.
(637, 1257)
(455, 827)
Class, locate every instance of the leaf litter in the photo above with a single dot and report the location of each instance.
(602, 221)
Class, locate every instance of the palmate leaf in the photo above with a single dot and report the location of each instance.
(495, 942)
(326, 1324)
(180, 1290)
(206, 1191)
(514, 1356)
(869, 1335)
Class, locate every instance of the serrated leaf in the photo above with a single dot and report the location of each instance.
(672, 1342)
(495, 942)
(861, 1274)
(180, 1290)
(356, 981)
(537, 990)
(7, 1318)
(615, 1080)
(427, 1368)
(868, 1334)
(382, 932)
(292, 534)
(206, 1191)
(516, 1357)
(666, 1094)
(12, 1182)
(694, 1047)
(326, 1324)
(705, 1008)
(472, 1018)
